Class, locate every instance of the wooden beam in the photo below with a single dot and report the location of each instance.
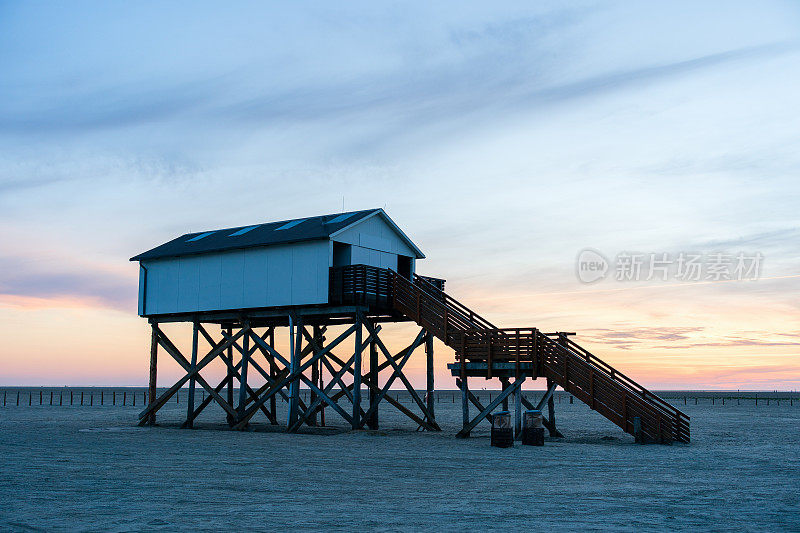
(551, 428)
(472, 397)
(357, 373)
(229, 365)
(252, 395)
(273, 372)
(497, 401)
(318, 400)
(243, 371)
(403, 378)
(165, 397)
(173, 350)
(551, 413)
(296, 328)
(280, 383)
(208, 399)
(190, 403)
(151, 389)
(518, 413)
(253, 363)
(347, 390)
(464, 402)
(312, 416)
(429, 390)
(372, 421)
(551, 388)
(398, 370)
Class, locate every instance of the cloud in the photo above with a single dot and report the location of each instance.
(42, 281)
(686, 338)
(628, 338)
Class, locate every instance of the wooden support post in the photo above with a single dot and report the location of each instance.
(192, 379)
(229, 376)
(518, 413)
(317, 336)
(243, 372)
(551, 413)
(322, 387)
(372, 423)
(357, 367)
(637, 430)
(489, 408)
(295, 341)
(464, 406)
(273, 372)
(429, 392)
(151, 389)
(504, 384)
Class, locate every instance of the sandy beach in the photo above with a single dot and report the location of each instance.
(91, 468)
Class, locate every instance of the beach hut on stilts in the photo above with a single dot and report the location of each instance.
(242, 288)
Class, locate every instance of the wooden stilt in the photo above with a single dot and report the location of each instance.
(295, 341)
(518, 413)
(229, 366)
(357, 373)
(192, 379)
(551, 412)
(372, 422)
(429, 392)
(322, 386)
(464, 406)
(243, 372)
(273, 372)
(151, 389)
(489, 408)
(317, 335)
(504, 385)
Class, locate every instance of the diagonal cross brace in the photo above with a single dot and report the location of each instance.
(398, 368)
(489, 408)
(551, 427)
(171, 349)
(414, 395)
(164, 398)
(251, 361)
(318, 401)
(549, 394)
(218, 388)
(298, 374)
(345, 389)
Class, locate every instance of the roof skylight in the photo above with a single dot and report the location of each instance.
(341, 218)
(291, 224)
(243, 231)
(201, 236)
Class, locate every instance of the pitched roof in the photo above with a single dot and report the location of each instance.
(266, 234)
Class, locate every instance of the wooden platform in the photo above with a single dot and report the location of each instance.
(500, 369)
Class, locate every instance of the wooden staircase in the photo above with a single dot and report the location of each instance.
(552, 355)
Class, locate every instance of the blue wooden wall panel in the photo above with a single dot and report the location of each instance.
(167, 296)
(293, 274)
(279, 280)
(189, 282)
(232, 282)
(142, 289)
(256, 274)
(375, 233)
(210, 283)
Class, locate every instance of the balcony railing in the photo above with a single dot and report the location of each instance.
(369, 285)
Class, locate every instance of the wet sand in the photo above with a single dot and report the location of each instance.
(91, 468)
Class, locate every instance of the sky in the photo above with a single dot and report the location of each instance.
(503, 138)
